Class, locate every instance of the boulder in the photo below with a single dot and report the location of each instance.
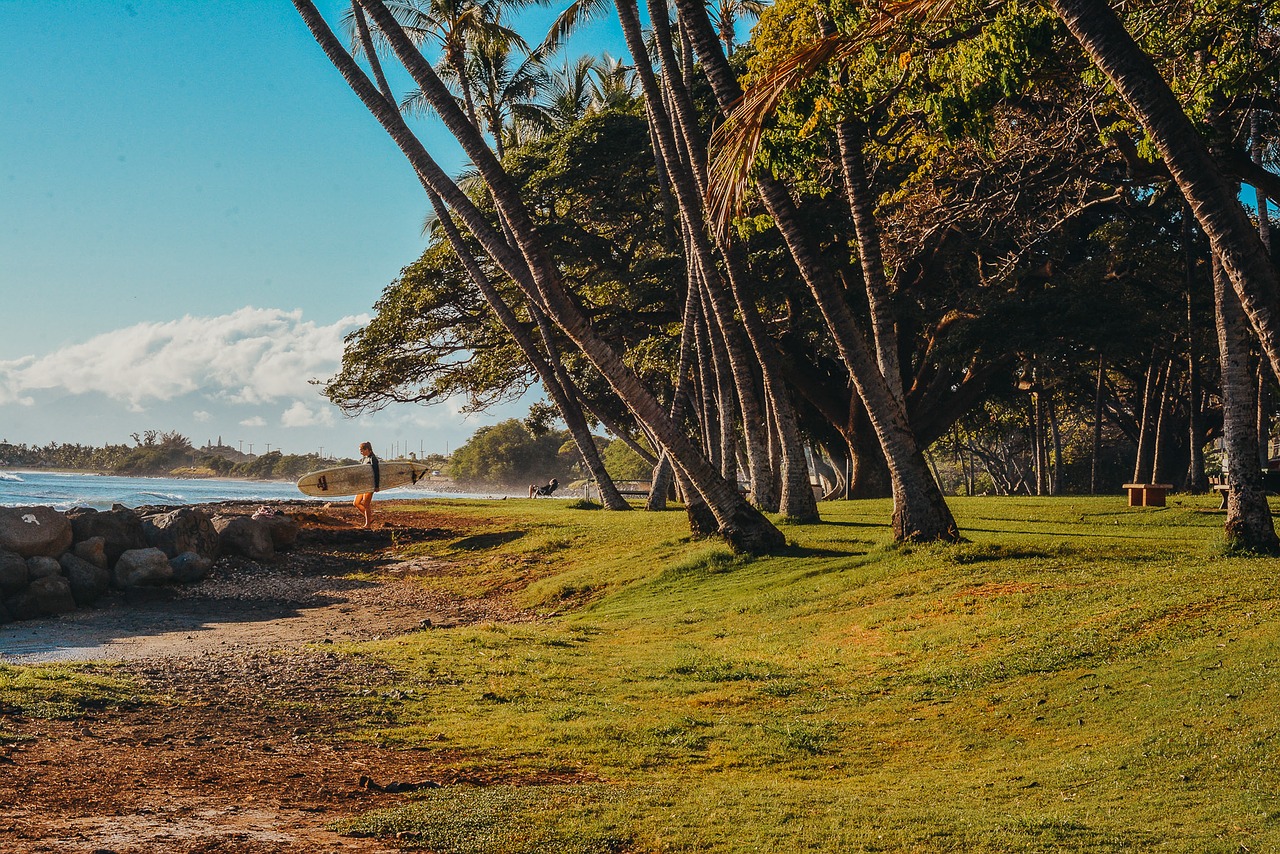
(283, 528)
(142, 568)
(23, 606)
(42, 567)
(241, 535)
(88, 580)
(32, 531)
(52, 595)
(94, 550)
(190, 567)
(187, 529)
(13, 573)
(120, 529)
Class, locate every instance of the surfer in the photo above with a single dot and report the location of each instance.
(364, 501)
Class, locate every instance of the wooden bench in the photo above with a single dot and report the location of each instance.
(1147, 494)
(1224, 489)
(633, 490)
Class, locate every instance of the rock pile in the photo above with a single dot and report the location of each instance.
(52, 563)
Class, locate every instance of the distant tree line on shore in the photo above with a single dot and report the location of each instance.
(164, 454)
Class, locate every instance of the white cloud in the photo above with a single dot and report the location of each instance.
(202, 416)
(301, 415)
(255, 421)
(250, 356)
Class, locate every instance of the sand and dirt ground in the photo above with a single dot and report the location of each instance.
(245, 753)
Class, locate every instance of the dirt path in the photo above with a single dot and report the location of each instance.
(245, 753)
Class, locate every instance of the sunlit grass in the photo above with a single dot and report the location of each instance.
(1078, 676)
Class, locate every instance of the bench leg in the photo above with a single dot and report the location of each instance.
(1135, 497)
(1153, 497)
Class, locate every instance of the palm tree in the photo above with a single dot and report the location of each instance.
(526, 262)
(920, 511)
(1249, 525)
(457, 27)
(1213, 199)
(725, 15)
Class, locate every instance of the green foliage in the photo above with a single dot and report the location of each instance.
(507, 454)
(623, 463)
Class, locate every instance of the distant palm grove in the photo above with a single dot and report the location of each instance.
(927, 249)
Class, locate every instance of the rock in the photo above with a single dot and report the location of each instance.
(190, 567)
(94, 550)
(23, 606)
(52, 595)
(88, 580)
(120, 529)
(187, 529)
(13, 573)
(42, 567)
(32, 531)
(241, 535)
(142, 567)
(283, 528)
(5, 616)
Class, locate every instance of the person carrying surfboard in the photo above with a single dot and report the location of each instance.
(364, 501)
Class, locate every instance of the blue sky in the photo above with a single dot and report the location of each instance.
(195, 210)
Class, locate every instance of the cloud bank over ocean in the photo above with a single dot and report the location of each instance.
(245, 377)
(251, 356)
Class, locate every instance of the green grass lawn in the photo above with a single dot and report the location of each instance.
(1078, 677)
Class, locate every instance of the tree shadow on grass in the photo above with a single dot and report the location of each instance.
(487, 541)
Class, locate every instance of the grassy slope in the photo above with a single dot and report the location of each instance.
(1079, 677)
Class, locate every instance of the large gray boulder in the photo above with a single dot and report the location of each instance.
(13, 573)
(283, 528)
(120, 529)
(190, 567)
(32, 531)
(142, 568)
(94, 550)
(244, 536)
(52, 595)
(88, 581)
(187, 529)
(42, 567)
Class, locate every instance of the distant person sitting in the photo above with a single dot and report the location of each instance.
(552, 486)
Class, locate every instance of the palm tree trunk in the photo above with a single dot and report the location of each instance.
(1213, 199)
(920, 511)
(1097, 432)
(1249, 526)
(795, 497)
(682, 168)
(1197, 480)
(742, 526)
(862, 206)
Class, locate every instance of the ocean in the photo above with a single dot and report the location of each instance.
(63, 491)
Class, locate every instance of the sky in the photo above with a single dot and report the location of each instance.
(195, 211)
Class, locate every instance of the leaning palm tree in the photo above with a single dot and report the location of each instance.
(518, 250)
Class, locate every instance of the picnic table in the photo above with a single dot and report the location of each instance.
(1147, 494)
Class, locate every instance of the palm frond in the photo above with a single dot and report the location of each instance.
(736, 142)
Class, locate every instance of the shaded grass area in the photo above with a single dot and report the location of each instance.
(1079, 676)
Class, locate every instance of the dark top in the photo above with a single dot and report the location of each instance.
(372, 460)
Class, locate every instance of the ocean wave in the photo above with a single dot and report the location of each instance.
(13, 478)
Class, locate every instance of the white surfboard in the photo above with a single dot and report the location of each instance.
(353, 480)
